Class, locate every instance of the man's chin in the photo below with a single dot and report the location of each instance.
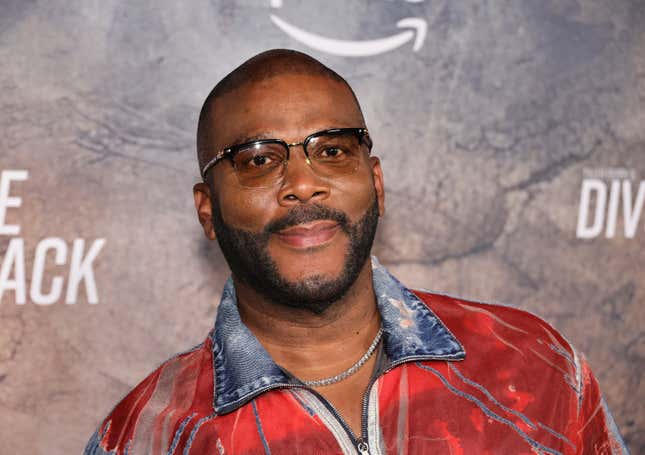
(310, 274)
(314, 294)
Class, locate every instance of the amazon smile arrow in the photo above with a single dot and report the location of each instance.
(345, 48)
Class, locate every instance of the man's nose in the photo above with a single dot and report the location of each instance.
(301, 184)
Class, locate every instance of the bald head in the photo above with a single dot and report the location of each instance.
(260, 68)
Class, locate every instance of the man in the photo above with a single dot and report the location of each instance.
(316, 347)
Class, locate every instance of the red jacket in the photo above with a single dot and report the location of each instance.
(521, 389)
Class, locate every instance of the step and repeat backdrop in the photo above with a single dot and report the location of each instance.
(512, 137)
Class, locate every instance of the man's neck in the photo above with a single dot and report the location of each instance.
(309, 345)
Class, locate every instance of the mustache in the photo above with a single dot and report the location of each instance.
(306, 214)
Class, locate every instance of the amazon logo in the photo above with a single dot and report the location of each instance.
(410, 29)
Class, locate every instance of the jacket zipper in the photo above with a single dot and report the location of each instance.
(362, 445)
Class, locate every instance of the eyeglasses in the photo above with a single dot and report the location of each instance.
(263, 163)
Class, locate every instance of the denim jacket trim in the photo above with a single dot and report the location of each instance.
(243, 369)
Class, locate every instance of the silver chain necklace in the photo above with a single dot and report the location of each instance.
(351, 370)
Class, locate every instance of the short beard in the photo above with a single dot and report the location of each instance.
(247, 255)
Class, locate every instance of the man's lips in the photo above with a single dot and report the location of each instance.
(308, 235)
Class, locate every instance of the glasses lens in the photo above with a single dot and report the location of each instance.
(260, 165)
(335, 154)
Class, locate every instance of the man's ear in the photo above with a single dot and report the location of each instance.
(379, 186)
(204, 207)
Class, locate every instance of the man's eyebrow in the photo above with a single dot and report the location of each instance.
(243, 139)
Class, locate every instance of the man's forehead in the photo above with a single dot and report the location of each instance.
(292, 89)
(285, 104)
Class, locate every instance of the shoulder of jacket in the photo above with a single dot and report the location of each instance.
(461, 314)
(156, 391)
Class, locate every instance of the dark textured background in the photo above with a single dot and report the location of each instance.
(484, 135)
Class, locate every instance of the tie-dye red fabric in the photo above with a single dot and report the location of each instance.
(521, 389)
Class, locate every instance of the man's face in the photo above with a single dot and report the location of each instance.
(303, 241)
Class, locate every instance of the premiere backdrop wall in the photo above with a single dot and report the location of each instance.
(512, 135)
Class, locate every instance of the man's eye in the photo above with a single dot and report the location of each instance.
(257, 161)
(332, 152)
(260, 160)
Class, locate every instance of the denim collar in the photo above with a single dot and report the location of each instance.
(244, 369)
